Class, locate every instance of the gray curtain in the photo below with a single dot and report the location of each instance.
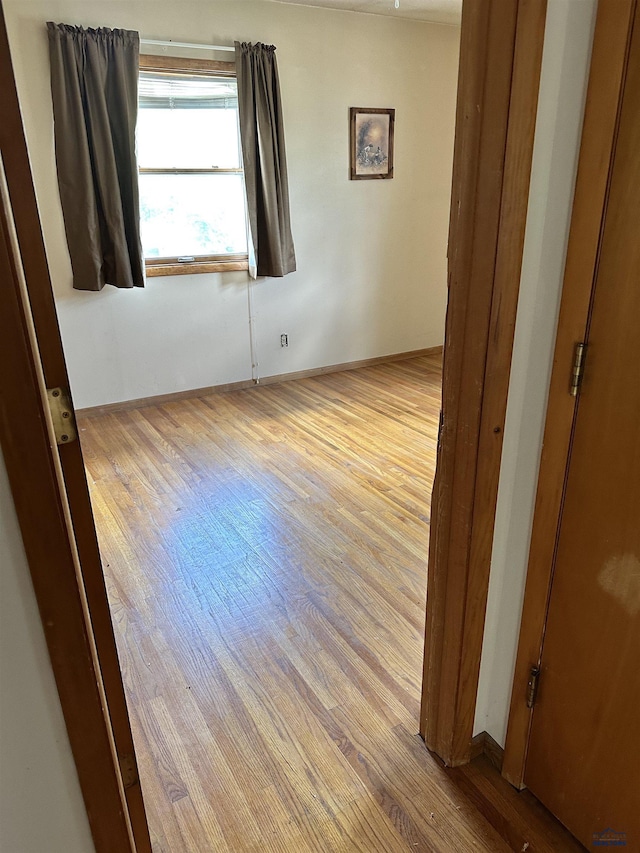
(265, 162)
(94, 84)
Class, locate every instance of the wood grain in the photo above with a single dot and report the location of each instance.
(583, 758)
(504, 305)
(181, 65)
(610, 48)
(161, 399)
(154, 269)
(481, 126)
(265, 554)
(501, 49)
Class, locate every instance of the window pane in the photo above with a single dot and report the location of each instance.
(192, 215)
(187, 123)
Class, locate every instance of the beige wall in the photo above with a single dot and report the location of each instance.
(371, 274)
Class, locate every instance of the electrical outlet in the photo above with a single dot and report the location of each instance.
(284, 340)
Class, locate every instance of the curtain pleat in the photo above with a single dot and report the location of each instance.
(264, 158)
(94, 85)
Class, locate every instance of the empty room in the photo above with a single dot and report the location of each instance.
(248, 234)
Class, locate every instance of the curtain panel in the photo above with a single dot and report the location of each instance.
(265, 162)
(94, 85)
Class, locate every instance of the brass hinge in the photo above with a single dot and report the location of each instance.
(128, 770)
(578, 369)
(64, 422)
(532, 686)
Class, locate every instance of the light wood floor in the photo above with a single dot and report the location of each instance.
(265, 554)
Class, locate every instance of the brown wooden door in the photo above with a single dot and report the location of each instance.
(584, 750)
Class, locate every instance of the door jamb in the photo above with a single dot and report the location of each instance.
(606, 81)
(501, 58)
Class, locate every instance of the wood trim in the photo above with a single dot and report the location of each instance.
(348, 365)
(606, 80)
(162, 399)
(477, 746)
(179, 65)
(501, 55)
(174, 397)
(67, 640)
(213, 67)
(152, 270)
(504, 303)
(484, 744)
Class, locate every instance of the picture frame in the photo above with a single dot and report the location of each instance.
(371, 143)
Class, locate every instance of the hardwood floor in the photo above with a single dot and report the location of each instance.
(265, 555)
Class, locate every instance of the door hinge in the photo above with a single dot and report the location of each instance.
(128, 770)
(532, 686)
(64, 422)
(578, 368)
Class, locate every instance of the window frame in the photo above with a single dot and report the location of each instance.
(201, 263)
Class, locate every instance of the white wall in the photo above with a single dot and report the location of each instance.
(567, 50)
(371, 276)
(41, 807)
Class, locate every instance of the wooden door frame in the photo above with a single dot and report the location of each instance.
(612, 37)
(499, 79)
(75, 614)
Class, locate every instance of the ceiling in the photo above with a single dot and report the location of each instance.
(436, 11)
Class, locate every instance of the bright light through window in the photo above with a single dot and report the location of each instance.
(199, 214)
(191, 185)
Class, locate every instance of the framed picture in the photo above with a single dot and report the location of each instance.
(371, 143)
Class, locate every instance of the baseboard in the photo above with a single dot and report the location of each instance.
(484, 744)
(162, 399)
(348, 365)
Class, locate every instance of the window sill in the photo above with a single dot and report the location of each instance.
(153, 270)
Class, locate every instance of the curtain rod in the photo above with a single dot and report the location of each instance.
(187, 44)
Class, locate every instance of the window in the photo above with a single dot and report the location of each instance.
(192, 199)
